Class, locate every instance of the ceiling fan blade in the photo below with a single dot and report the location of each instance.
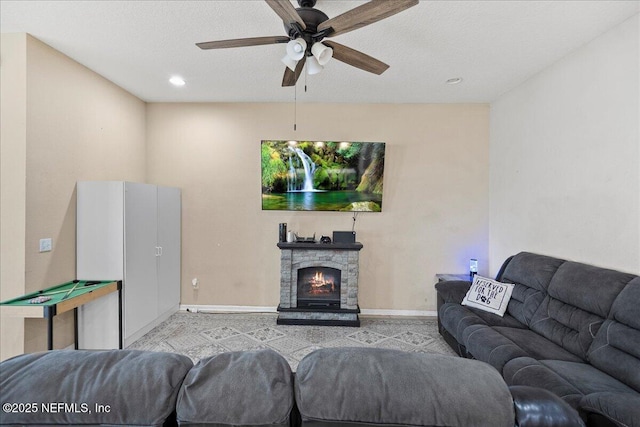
(365, 14)
(356, 58)
(253, 41)
(286, 11)
(291, 77)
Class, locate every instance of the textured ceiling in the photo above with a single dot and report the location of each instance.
(492, 45)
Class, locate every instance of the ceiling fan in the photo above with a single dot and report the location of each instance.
(306, 27)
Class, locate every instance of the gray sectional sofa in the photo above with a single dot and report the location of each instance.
(570, 328)
(332, 387)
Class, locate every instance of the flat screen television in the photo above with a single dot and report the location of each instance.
(322, 175)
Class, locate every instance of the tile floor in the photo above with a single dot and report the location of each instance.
(199, 335)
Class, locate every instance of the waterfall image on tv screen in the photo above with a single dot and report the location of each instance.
(322, 175)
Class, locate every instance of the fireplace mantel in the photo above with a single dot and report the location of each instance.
(322, 246)
(340, 256)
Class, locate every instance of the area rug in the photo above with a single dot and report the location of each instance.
(200, 335)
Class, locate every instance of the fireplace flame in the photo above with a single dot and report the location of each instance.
(320, 285)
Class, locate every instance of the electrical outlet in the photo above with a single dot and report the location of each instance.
(45, 245)
(194, 282)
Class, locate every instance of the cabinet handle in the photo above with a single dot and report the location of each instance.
(157, 250)
(160, 247)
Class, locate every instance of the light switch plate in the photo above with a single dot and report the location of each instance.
(45, 245)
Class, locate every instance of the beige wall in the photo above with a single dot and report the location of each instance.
(13, 163)
(435, 211)
(79, 126)
(70, 124)
(565, 175)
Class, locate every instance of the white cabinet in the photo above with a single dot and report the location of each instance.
(130, 232)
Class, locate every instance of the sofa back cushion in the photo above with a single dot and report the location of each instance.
(384, 387)
(243, 388)
(616, 348)
(531, 275)
(579, 298)
(85, 387)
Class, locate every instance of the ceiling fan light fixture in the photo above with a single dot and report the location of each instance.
(321, 52)
(290, 63)
(296, 48)
(313, 66)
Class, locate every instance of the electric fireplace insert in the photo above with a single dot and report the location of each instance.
(318, 287)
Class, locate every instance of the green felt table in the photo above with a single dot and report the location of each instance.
(64, 297)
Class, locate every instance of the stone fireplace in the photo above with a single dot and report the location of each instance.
(319, 284)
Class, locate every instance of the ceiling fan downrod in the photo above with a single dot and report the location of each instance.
(307, 3)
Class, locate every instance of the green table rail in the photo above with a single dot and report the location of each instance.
(62, 298)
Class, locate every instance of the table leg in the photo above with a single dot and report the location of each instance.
(121, 343)
(75, 327)
(50, 333)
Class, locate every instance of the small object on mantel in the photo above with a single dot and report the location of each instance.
(450, 277)
(305, 239)
(325, 239)
(344, 236)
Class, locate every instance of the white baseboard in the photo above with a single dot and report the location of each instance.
(398, 313)
(227, 308)
(258, 309)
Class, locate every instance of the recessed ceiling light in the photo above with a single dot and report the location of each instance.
(454, 81)
(177, 81)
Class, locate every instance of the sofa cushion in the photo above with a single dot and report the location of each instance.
(456, 318)
(587, 287)
(579, 299)
(625, 307)
(492, 320)
(616, 348)
(531, 275)
(389, 387)
(240, 388)
(621, 408)
(536, 345)
(488, 345)
(569, 380)
(531, 270)
(497, 345)
(530, 372)
(586, 378)
(133, 387)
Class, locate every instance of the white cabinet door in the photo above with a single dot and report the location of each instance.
(99, 256)
(100, 230)
(169, 212)
(140, 276)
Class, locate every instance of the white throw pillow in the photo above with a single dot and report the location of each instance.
(488, 295)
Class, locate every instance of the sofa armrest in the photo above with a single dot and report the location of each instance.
(537, 407)
(452, 290)
(612, 409)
